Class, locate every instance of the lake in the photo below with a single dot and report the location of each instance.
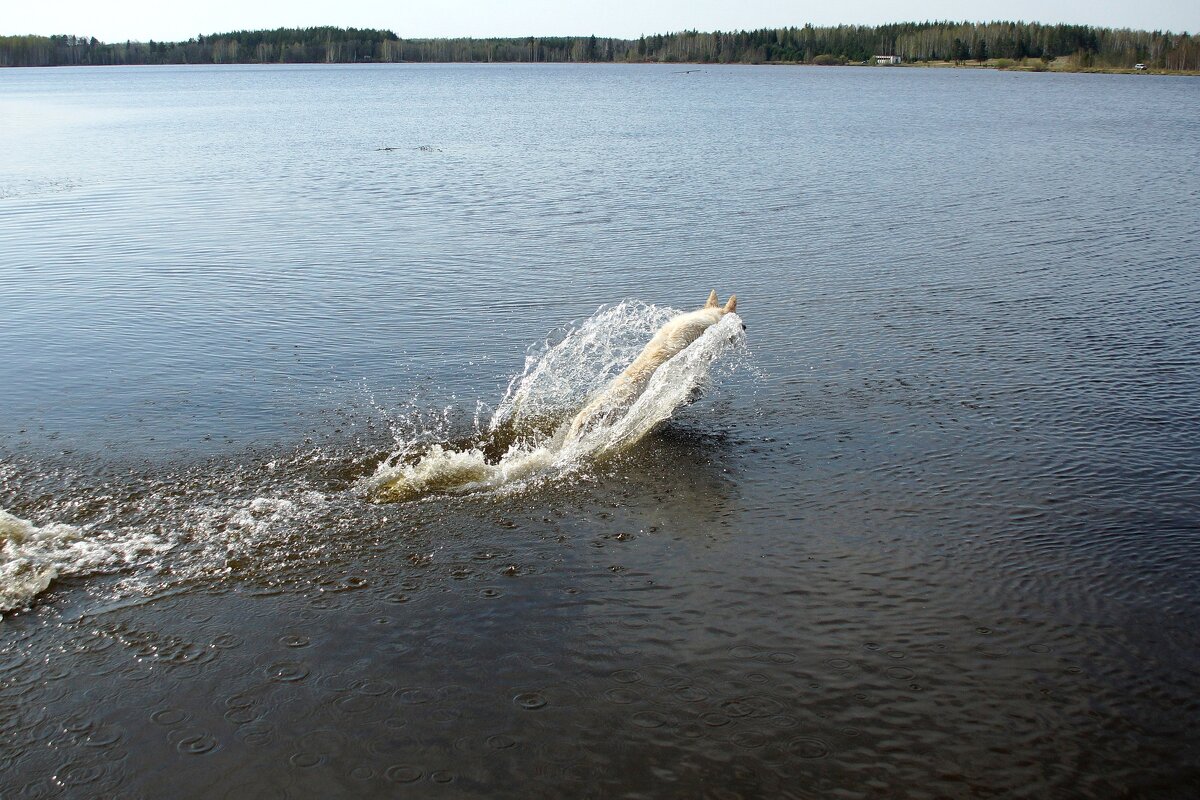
(931, 527)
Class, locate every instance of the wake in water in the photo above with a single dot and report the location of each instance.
(529, 435)
(32, 556)
(213, 520)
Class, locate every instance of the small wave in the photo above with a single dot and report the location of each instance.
(526, 437)
(36, 186)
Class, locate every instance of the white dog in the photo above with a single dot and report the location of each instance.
(670, 340)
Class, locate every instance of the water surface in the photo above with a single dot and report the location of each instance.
(931, 531)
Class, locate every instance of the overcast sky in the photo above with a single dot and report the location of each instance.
(155, 19)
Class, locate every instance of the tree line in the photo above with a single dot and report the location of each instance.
(1083, 45)
(283, 45)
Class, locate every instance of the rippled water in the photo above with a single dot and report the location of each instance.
(932, 530)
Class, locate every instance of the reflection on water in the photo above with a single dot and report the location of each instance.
(935, 536)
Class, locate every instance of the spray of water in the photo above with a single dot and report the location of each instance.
(527, 435)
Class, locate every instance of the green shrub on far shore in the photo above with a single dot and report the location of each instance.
(1004, 63)
(826, 60)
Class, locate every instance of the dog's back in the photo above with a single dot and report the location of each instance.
(670, 340)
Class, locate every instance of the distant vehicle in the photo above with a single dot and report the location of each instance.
(1139, 66)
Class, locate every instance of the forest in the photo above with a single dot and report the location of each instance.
(1070, 46)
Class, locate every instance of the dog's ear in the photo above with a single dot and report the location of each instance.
(732, 304)
(712, 299)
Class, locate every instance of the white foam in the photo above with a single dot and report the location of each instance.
(32, 556)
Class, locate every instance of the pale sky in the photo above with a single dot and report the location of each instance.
(118, 20)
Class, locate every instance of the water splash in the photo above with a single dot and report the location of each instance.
(574, 363)
(526, 437)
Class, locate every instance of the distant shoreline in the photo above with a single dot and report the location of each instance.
(1019, 67)
(1051, 67)
(1033, 47)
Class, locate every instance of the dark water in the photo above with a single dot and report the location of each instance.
(937, 535)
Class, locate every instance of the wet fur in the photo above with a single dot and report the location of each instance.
(670, 340)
